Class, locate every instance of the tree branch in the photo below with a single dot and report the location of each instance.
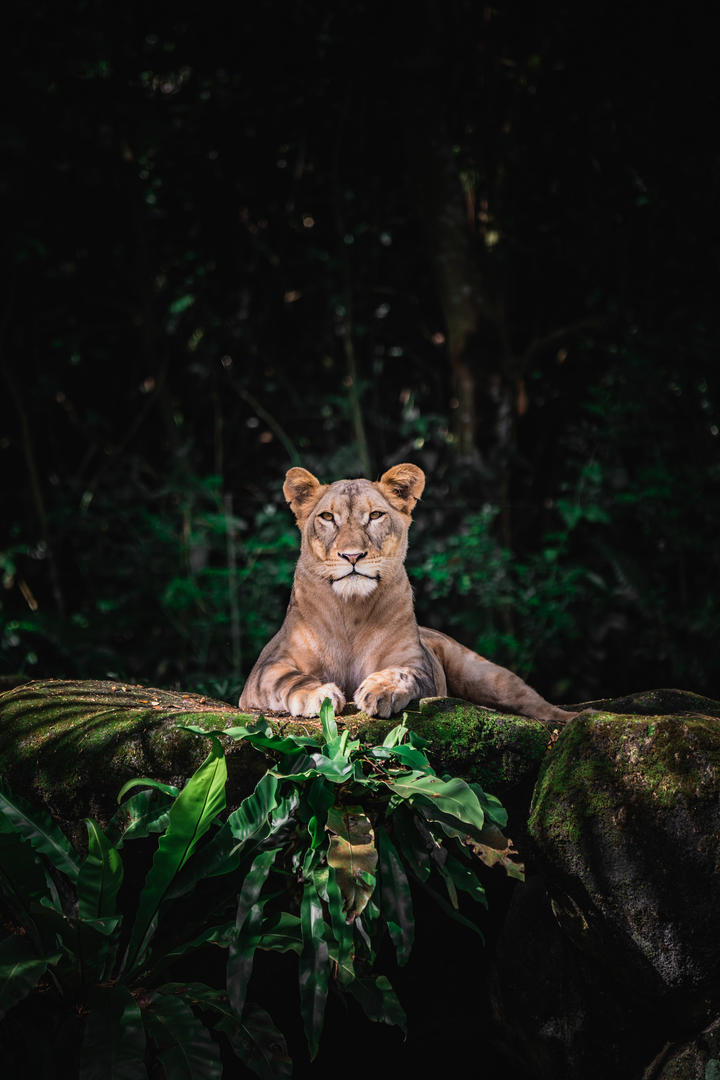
(540, 344)
(269, 419)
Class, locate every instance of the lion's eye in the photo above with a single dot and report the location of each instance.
(377, 514)
(326, 516)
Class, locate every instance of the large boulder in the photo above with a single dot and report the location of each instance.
(72, 745)
(611, 950)
(626, 820)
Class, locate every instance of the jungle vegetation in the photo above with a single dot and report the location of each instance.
(480, 238)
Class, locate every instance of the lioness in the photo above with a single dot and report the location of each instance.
(350, 629)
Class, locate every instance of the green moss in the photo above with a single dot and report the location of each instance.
(606, 767)
(567, 784)
(75, 743)
(496, 749)
(662, 702)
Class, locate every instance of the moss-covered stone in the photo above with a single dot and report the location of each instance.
(663, 702)
(500, 751)
(72, 745)
(626, 819)
(610, 950)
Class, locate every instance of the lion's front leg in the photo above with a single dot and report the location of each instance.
(282, 688)
(308, 702)
(387, 691)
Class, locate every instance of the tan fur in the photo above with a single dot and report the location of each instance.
(350, 629)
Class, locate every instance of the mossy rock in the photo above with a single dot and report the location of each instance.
(609, 952)
(72, 745)
(626, 825)
(663, 702)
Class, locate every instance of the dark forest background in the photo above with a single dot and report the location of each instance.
(479, 238)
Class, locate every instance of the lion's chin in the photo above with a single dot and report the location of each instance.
(354, 586)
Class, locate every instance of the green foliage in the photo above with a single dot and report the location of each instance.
(91, 949)
(182, 588)
(267, 291)
(368, 819)
(505, 607)
(317, 861)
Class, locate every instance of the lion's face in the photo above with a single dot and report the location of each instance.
(354, 532)
(355, 537)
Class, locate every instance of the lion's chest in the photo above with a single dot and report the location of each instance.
(345, 658)
(346, 667)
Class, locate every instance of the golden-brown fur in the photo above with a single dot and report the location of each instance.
(350, 629)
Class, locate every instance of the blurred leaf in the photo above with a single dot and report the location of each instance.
(451, 911)
(395, 898)
(191, 815)
(181, 304)
(314, 967)
(379, 1001)
(257, 1042)
(23, 877)
(20, 970)
(38, 828)
(100, 876)
(254, 1038)
(352, 855)
(186, 1050)
(113, 1046)
(248, 916)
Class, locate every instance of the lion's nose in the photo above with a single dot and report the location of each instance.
(352, 556)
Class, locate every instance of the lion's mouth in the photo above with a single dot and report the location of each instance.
(357, 573)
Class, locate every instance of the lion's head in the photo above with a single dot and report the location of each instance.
(354, 532)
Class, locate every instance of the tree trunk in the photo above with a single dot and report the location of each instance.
(461, 290)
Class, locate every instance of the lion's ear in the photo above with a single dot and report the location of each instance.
(403, 485)
(302, 490)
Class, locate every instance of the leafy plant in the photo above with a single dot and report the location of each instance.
(220, 583)
(370, 819)
(71, 941)
(509, 608)
(317, 861)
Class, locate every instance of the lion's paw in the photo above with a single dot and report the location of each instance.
(385, 692)
(309, 702)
